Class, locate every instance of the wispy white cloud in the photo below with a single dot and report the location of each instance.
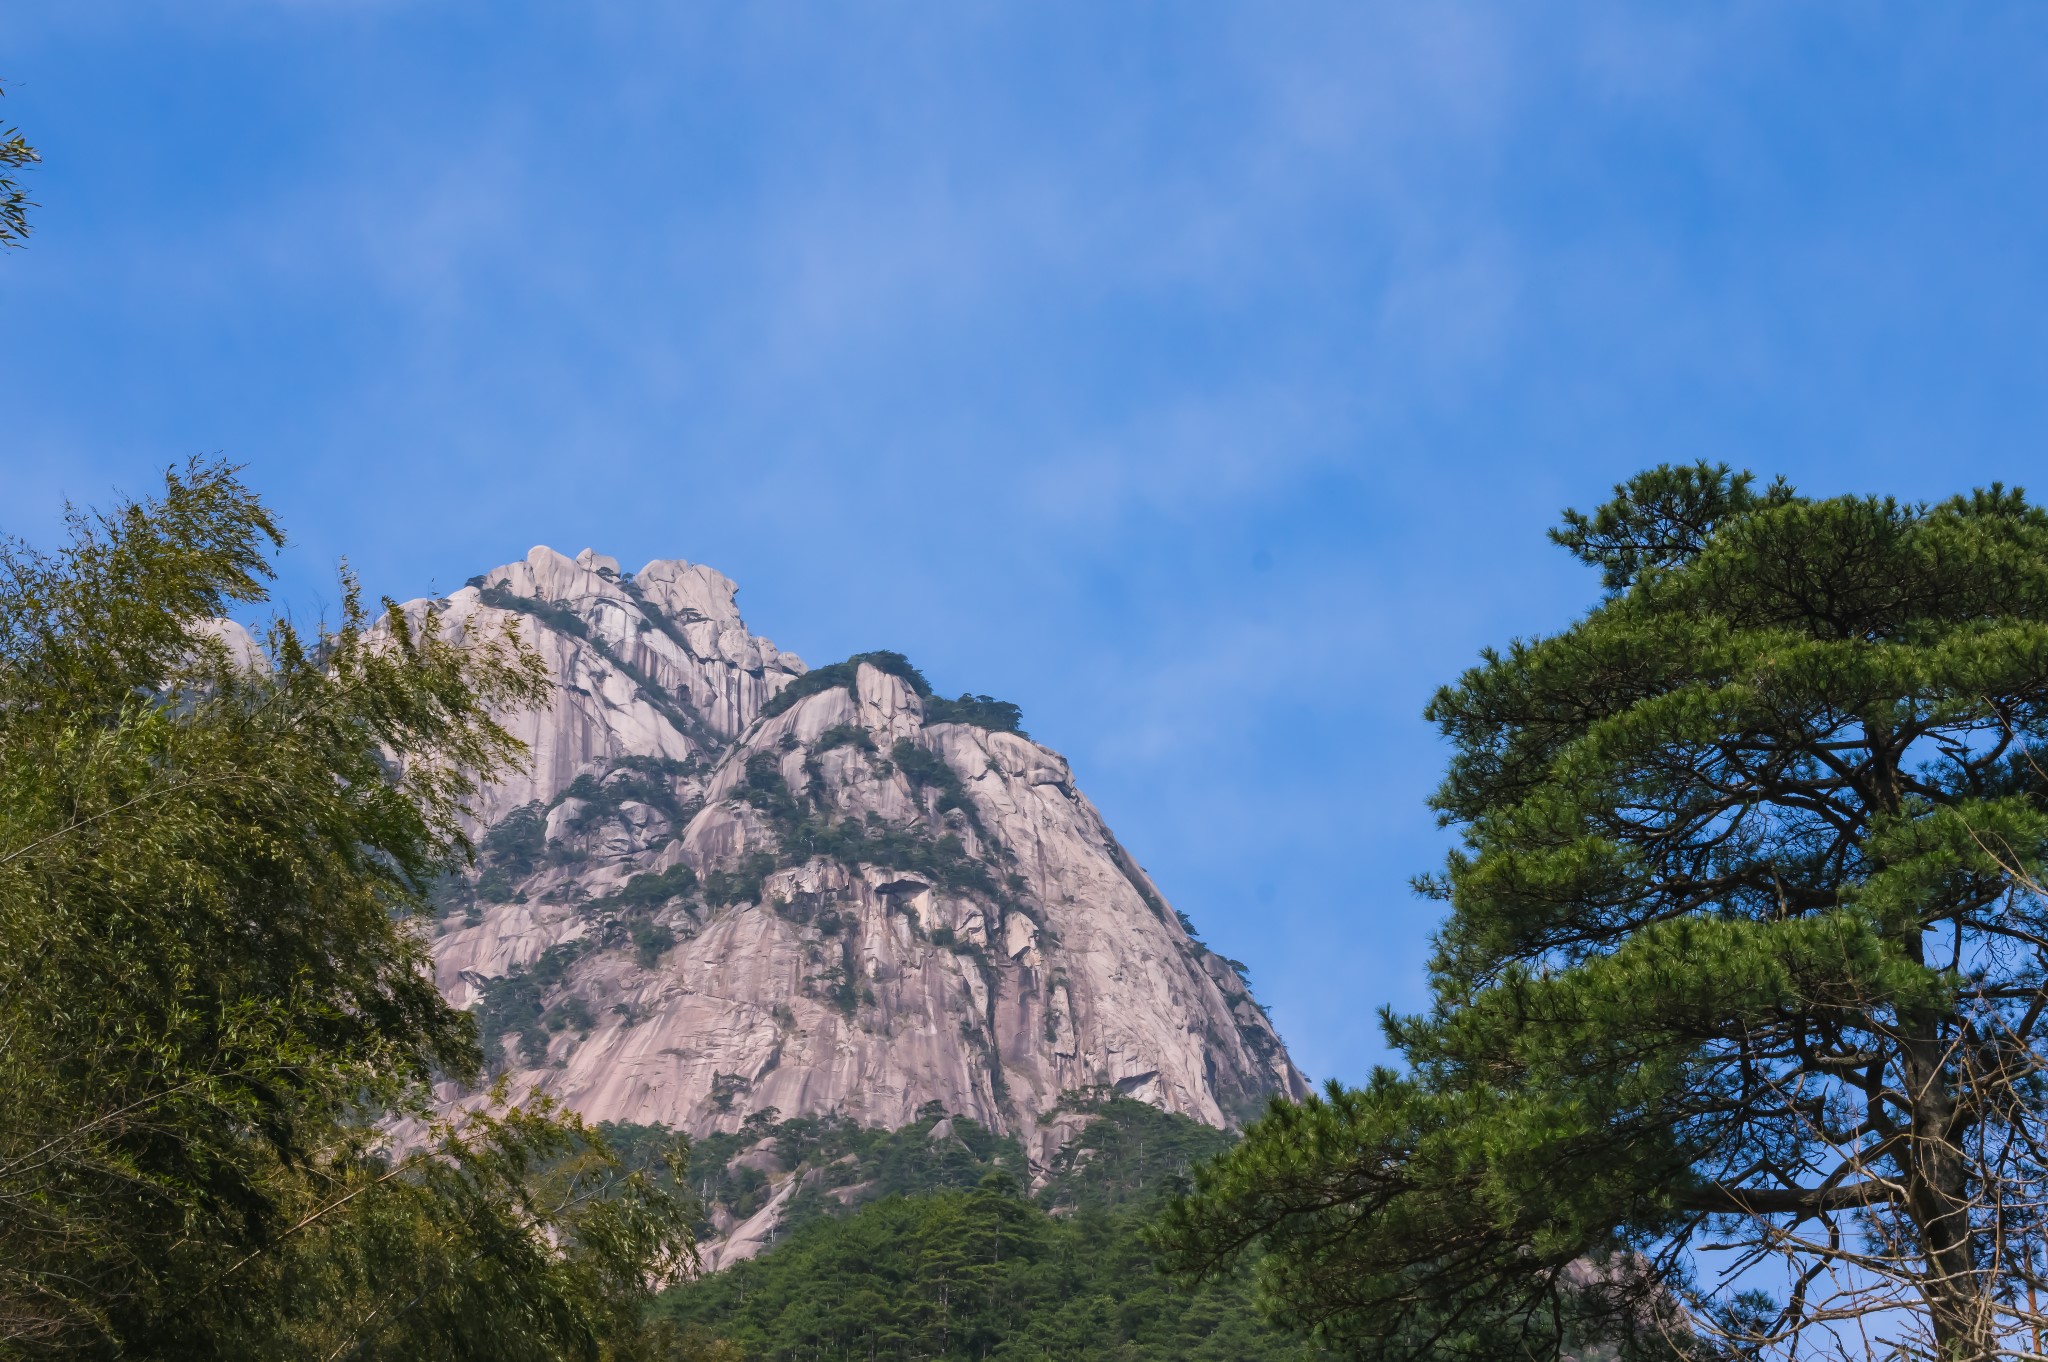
(1015, 335)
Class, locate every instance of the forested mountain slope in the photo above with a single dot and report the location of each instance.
(943, 1254)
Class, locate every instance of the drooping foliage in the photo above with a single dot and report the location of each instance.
(1746, 946)
(213, 872)
(15, 153)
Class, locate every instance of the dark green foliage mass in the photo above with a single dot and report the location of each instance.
(982, 1274)
(845, 735)
(585, 787)
(512, 850)
(765, 789)
(650, 940)
(646, 780)
(1127, 1154)
(649, 889)
(806, 827)
(213, 981)
(943, 1256)
(637, 900)
(927, 770)
(843, 674)
(514, 1005)
(570, 1014)
(982, 711)
(518, 841)
(843, 1164)
(1747, 939)
(1662, 519)
(740, 883)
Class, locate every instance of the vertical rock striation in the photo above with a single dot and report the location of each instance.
(727, 883)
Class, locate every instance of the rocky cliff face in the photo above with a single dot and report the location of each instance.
(728, 884)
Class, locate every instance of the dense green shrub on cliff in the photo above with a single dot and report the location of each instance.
(651, 940)
(982, 711)
(644, 780)
(805, 827)
(927, 770)
(741, 882)
(518, 841)
(821, 679)
(845, 735)
(513, 1005)
(650, 889)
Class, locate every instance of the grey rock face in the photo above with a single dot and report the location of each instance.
(688, 912)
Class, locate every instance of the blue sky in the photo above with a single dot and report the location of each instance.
(1201, 377)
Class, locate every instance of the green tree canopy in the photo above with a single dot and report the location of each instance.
(978, 1275)
(1746, 948)
(214, 993)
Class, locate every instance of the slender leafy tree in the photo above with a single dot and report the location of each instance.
(1736, 1046)
(214, 989)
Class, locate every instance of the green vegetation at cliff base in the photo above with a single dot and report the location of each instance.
(942, 1255)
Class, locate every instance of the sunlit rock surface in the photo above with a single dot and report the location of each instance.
(1030, 956)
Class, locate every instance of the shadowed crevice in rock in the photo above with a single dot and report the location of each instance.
(687, 913)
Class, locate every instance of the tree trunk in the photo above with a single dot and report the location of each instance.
(1937, 1200)
(1937, 1183)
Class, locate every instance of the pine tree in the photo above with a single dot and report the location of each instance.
(1746, 946)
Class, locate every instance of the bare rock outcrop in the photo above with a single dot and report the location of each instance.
(728, 884)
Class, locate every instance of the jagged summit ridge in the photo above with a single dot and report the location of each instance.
(717, 891)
